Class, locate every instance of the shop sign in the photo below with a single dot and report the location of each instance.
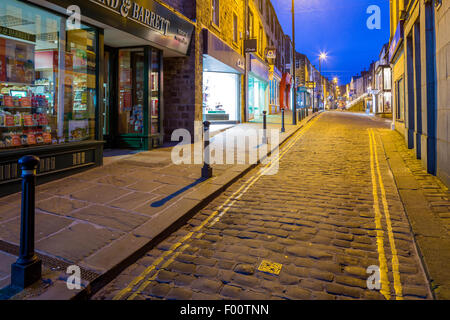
(271, 71)
(216, 48)
(396, 40)
(240, 64)
(271, 53)
(138, 13)
(310, 84)
(250, 45)
(138, 17)
(259, 68)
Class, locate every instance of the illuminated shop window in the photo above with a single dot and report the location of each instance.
(47, 78)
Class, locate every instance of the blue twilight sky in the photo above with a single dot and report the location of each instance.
(339, 28)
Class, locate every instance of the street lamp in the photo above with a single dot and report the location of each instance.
(294, 84)
(322, 56)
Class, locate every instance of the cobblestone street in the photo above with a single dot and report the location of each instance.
(332, 211)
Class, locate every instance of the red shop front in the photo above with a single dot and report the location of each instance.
(285, 91)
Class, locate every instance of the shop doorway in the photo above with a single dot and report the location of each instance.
(131, 95)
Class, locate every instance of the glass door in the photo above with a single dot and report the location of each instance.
(131, 92)
(135, 98)
(107, 81)
(155, 93)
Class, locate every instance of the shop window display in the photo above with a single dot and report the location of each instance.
(220, 96)
(131, 91)
(257, 96)
(47, 78)
(155, 127)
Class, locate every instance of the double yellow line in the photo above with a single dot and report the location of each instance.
(376, 173)
(177, 248)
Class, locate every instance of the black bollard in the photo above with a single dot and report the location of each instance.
(206, 170)
(28, 268)
(264, 139)
(299, 115)
(282, 121)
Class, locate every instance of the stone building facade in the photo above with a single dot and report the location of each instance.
(180, 78)
(227, 21)
(423, 28)
(442, 15)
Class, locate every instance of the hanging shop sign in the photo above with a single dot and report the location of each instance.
(146, 19)
(250, 45)
(271, 53)
(310, 84)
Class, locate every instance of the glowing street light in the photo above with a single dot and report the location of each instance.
(322, 56)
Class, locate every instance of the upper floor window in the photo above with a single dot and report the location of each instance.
(235, 27)
(251, 28)
(260, 40)
(215, 12)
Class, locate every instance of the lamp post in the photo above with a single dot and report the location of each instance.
(322, 56)
(294, 85)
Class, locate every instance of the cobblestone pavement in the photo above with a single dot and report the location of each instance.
(332, 211)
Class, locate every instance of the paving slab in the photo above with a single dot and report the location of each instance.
(77, 242)
(100, 194)
(46, 224)
(115, 219)
(59, 205)
(133, 200)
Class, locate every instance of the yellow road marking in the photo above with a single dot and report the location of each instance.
(238, 192)
(395, 263)
(165, 265)
(385, 290)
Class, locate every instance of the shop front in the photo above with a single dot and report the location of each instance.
(274, 90)
(397, 60)
(285, 91)
(223, 68)
(68, 84)
(258, 84)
